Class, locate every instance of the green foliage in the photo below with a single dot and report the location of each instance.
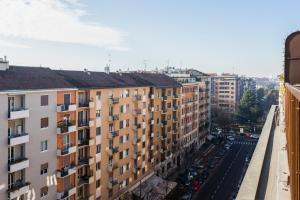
(248, 108)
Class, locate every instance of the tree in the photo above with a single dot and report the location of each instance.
(221, 117)
(248, 108)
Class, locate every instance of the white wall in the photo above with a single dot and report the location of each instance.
(3, 145)
(36, 135)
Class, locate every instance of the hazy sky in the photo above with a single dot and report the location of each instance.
(245, 37)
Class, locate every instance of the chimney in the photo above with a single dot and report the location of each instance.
(4, 65)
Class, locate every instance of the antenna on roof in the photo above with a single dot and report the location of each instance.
(107, 67)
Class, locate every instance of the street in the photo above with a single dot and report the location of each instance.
(224, 181)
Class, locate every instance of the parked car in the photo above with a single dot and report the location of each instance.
(195, 185)
(183, 179)
(187, 196)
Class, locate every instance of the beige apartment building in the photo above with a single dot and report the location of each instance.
(77, 135)
(196, 107)
(225, 92)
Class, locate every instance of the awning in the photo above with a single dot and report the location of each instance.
(155, 188)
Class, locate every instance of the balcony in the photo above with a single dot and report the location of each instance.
(113, 100)
(83, 123)
(136, 140)
(136, 126)
(66, 171)
(164, 98)
(113, 150)
(83, 104)
(163, 123)
(137, 112)
(17, 139)
(67, 193)
(18, 113)
(137, 97)
(136, 169)
(85, 179)
(114, 117)
(85, 161)
(66, 127)
(112, 166)
(112, 183)
(66, 151)
(113, 134)
(175, 108)
(18, 164)
(66, 108)
(176, 96)
(136, 154)
(18, 188)
(86, 142)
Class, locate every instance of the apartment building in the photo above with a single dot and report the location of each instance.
(84, 135)
(195, 107)
(226, 92)
(28, 117)
(204, 123)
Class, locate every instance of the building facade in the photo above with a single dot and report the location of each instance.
(226, 92)
(195, 107)
(85, 135)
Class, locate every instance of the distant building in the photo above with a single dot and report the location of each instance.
(226, 92)
(195, 106)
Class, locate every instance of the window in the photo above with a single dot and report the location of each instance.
(127, 122)
(98, 95)
(121, 124)
(98, 131)
(98, 113)
(44, 191)
(98, 183)
(98, 148)
(44, 122)
(44, 145)
(98, 166)
(44, 168)
(44, 100)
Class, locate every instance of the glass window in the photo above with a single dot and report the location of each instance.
(44, 168)
(44, 122)
(44, 100)
(44, 145)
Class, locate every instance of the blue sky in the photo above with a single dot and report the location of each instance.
(245, 37)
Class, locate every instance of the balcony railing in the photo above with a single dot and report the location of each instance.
(113, 134)
(66, 150)
(66, 127)
(113, 100)
(254, 184)
(17, 164)
(18, 188)
(18, 113)
(113, 117)
(17, 139)
(66, 171)
(66, 108)
(137, 97)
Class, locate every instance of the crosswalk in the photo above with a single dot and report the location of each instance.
(244, 142)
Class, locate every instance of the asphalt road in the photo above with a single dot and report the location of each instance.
(224, 181)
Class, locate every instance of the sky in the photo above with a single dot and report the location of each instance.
(232, 36)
